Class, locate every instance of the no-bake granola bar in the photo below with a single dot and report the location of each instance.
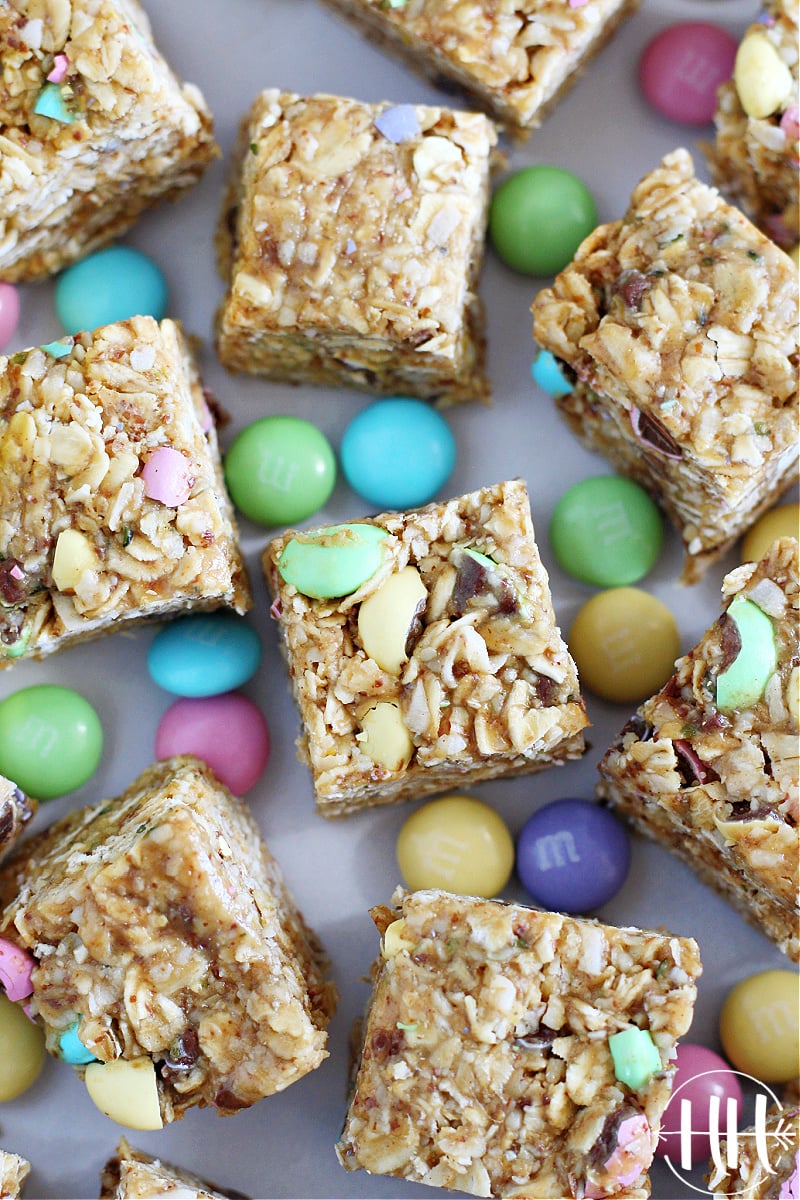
(351, 240)
(767, 1160)
(714, 780)
(13, 1173)
(481, 685)
(486, 1064)
(678, 325)
(161, 925)
(16, 809)
(514, 58)
(133, 1175)
(85, 545)
(94, 127)
(754, 158)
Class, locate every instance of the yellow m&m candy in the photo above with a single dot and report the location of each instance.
(457, 844)
(783, 521)
(758, 1026)
(624, 643)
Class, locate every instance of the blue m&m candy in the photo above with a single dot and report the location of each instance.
(397, 453)
(204, 655)
(572, 856)
(109, 286)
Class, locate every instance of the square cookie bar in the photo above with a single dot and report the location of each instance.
(351, 239)
(757, 1174)
(13, 1173)
(166, 943)
(16, 809)
(94, 127)
(677, 327)
(493, 1049)
(133, 1175)
(755, 155)
(514, 59)
(709, 765)
(112, 502)
(436, 662)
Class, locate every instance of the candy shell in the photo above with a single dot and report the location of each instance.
(624, 642)
(573, 856)
(16, 968)
(72, 1050)
(109, 286)
(606, 531)
(22, 1050)
(227, 732)
(758, 1026)
(168, 477)
(635, 1056)
(548, 373)
(682, 67)
(51, 740)
(538, 218)
(332, 562)
(743, 683)
(204, 655)
(126, 1091)
(280, 470)
(783, 521)
(9, 313)
(700, 1076)
(458, 844)
(398, 453)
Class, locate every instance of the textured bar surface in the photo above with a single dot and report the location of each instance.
(16, 809)
(756, 1176)
(133, 1175)
(13, 1173)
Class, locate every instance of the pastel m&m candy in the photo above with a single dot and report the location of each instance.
(204, 654)
(16, 968)
(9, 312)
(682, 67)
(398, 453)
(759, 1028)
(280, 470)
(228, 733)
(458, 844)
(701, 1079)
(607, 531)
(624, 642)
(538, 218)
(126, 1091)
(111, 285)
(334, 561)
(22, 1051)
(51, 740)
(783, 521)
(572, 856)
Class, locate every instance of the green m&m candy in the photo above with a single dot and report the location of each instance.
(635, 1056)
(280, 470)
(51, 740)
(538, 218)
(606, 531)
(743, 683)
(332, 562)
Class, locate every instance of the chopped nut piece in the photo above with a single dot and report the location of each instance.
(13, 1173)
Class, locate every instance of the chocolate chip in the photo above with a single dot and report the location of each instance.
(651, 433)
(228, 1101)
(730, 642)
(12, 589)
(472, 579)
(606, 1143)
(632, 286)
(386, 1043)
(637, 725)
(691, 767)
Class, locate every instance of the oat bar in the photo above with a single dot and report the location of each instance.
(758, 1175)
(716, 780)
(16, 809)
(351, 241)
(480, 683)
(89, 538)
(754, 158)
(94, 128)
(162, 926)
(13, 1173)
(133, 1175)
(486, 1063)
(678, 328)
(514, 58)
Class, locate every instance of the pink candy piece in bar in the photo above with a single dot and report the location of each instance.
(790, 123)
(168, 477)
(59, 71)
(633, 1154)
(577, 3)
(16, 966)
(789, 1187)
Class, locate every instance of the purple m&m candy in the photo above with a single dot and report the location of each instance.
(682, 67)
(227, 732)
(700, 1077)
(573, 856)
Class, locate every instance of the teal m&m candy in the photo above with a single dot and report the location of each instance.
(280, 470)
(606, 531)
(397, 453)
(51, 740)
(205, 654)
(112, 285)
(538, 218)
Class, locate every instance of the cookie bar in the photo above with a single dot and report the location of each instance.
(708, 766)
(164, 936)
(112, 502)
(756, 1175)
(351, 241)
(94, 128)
(513, 59)
(755, 155)
(16, 809)
(133, 1175)
(439, 665)
(492, 1050)
(677, 329)
(13, 1173)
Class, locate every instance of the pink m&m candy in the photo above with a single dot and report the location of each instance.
(228, 732)
(703, 1082)
(168, 477)
(9, 312)
(682, 67)
(16, 966)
